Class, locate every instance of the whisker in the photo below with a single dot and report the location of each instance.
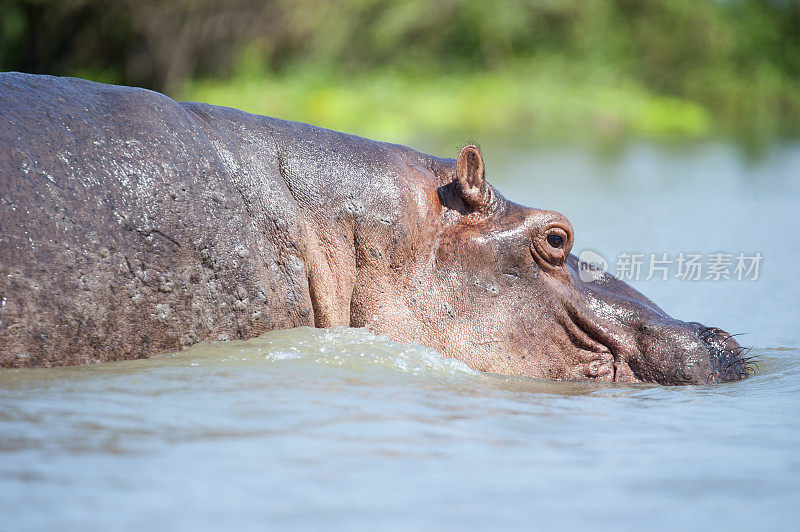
(749, 349)
(735, 366)
(732, 336)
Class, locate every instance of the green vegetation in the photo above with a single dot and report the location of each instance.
(529, 100)
(401, 69)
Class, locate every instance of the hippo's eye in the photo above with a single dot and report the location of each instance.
(555, 240)
(551, 241)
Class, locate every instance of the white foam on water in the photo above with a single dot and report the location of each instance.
(356, 349)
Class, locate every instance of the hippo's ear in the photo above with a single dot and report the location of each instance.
(471, 180)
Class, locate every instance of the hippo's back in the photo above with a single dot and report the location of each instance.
(121, 231)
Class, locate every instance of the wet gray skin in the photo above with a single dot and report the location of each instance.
(133, 225)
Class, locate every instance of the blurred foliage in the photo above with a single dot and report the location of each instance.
(394, 69)
(513, 102)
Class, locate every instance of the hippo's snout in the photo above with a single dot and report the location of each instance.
(651, 346)
(677, 352)
(728, 359)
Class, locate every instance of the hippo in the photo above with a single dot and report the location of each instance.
(132, 225)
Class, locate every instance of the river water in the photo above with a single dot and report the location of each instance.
(342, 429)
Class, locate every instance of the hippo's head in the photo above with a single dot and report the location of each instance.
(503, 293)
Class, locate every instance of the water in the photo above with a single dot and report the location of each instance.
(342, 429)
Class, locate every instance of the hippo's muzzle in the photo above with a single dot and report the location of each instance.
(678, 353)
(648, 345)
(729, 360)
